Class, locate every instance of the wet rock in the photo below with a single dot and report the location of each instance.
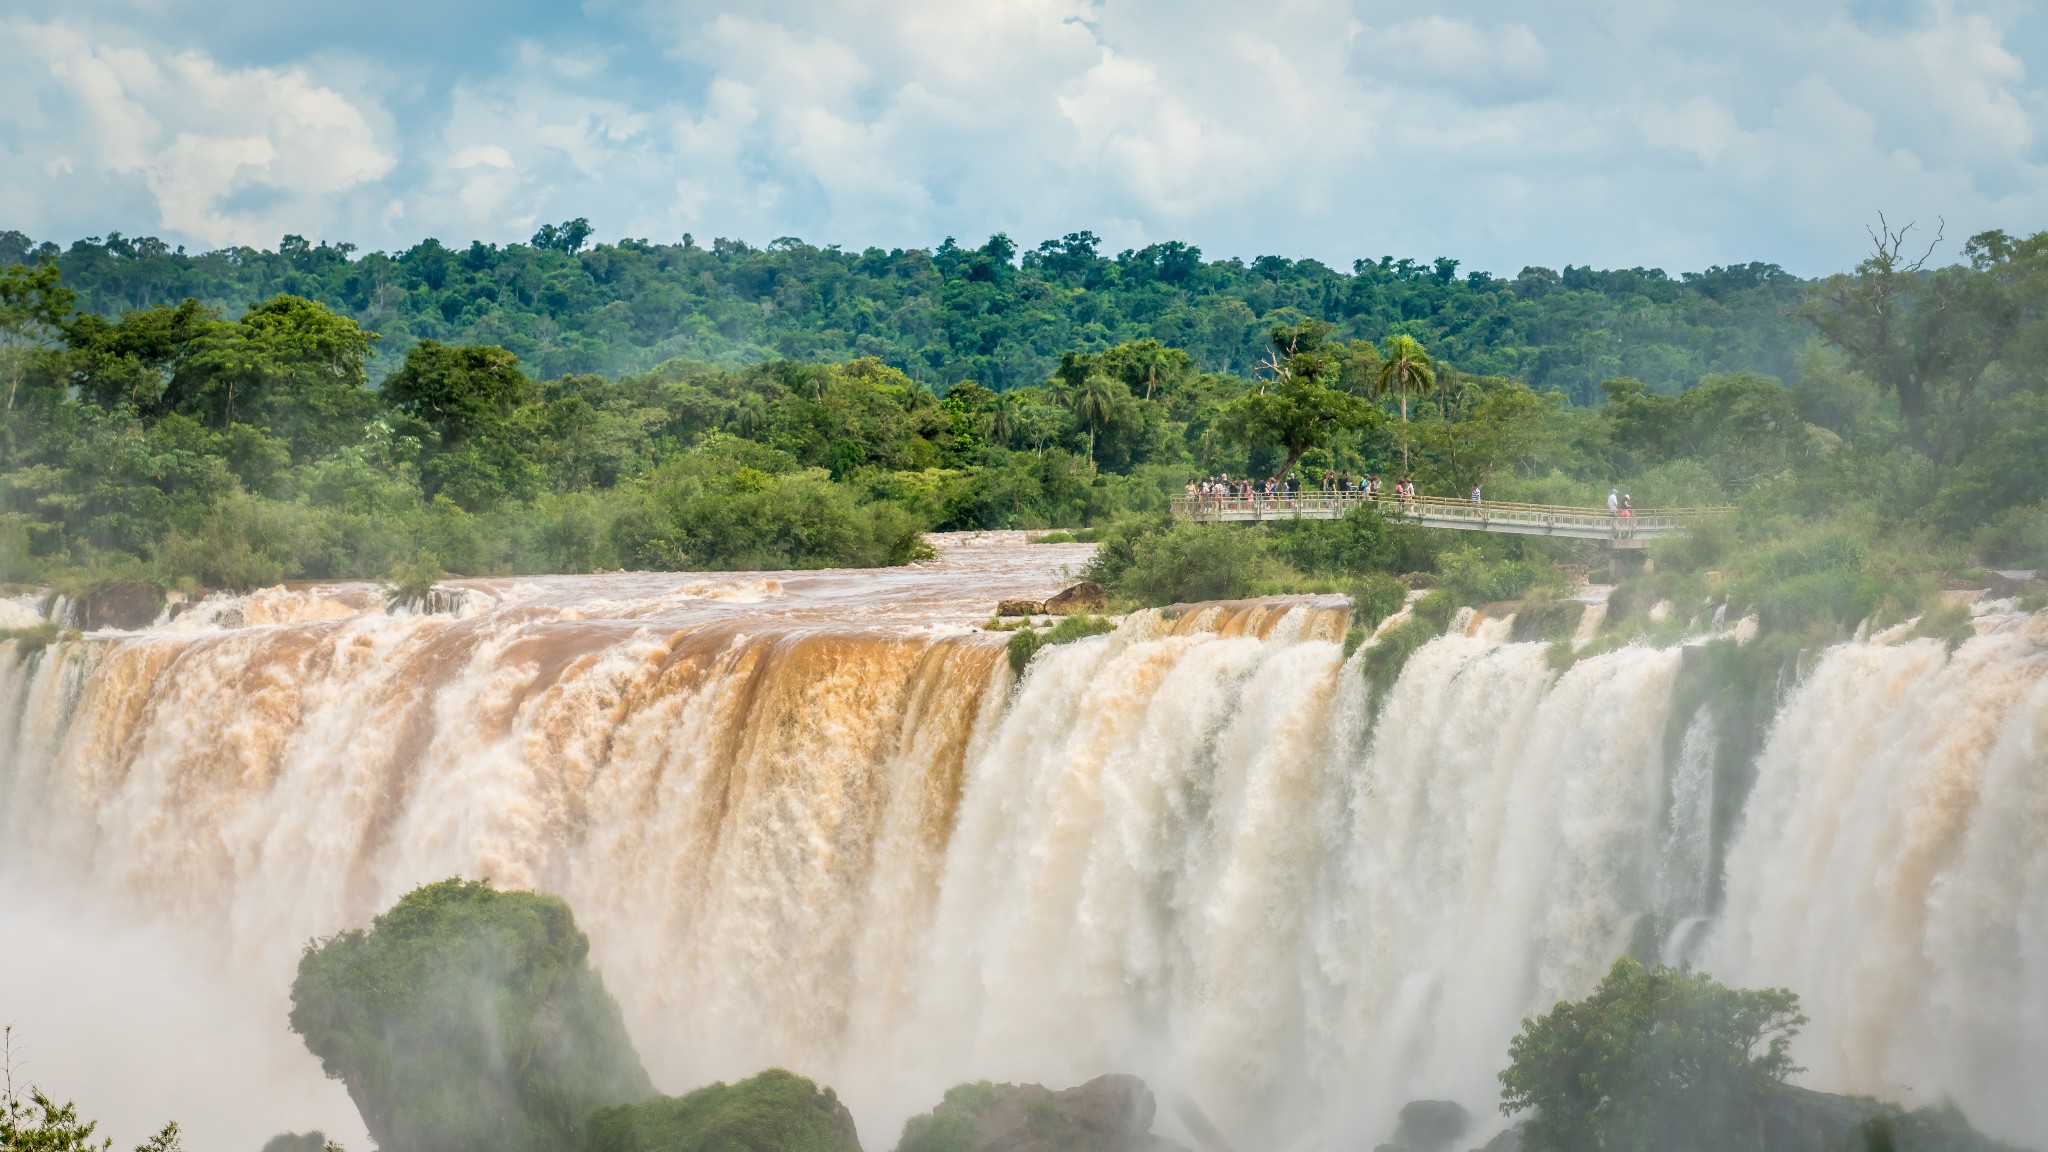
(1020, 608)
(1509, 1140)
(1794, 1119)
(1087, 596)
(1431, 1125)
(126, 605)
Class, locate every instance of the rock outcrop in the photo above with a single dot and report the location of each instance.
(1795, 1119)
(1020, 608)
(1429, 1126)
(125, 605)
(1087, 596)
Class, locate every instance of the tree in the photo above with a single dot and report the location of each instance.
(1407, 368)
(1921, 335)
(1101, 404)
(290, 365)
(146, 360)
(1655, 1060)
(1298, 410)
(1147, 367)
(471, 399)
(33, 309)
(467, 1020)
(567, 237)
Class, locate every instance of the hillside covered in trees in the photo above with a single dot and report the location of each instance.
(237, 418)
(996, 315)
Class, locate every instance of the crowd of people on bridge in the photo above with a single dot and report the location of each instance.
(1220, 486)
(1333, 483)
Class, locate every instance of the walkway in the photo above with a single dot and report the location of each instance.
(1634, 530)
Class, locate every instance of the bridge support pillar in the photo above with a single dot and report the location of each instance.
(1626, 556)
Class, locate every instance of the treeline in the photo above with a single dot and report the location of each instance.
(184, 444)
(998, 315)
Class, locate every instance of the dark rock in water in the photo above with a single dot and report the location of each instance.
(1431, 1125)
(1087, 596)
(775, 1111)
(1802, 1120)
(1796, 1119)
(314, 1141)
(126, 605)
(1107, 1114)
(1507, 1141)
(1020, 608)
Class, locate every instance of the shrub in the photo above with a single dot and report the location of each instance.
(1948, 623)
(950, 1126)
(695, 518)
(1027, 641)
(1468, 575)
(1385, 659)
(1654, 1058)
(411, 582)
(775, 1111)
(1188, 563)
(467, 1020)
(1545, 619)
(1375, 597)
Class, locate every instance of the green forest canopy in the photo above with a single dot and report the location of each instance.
(993, 314)
(239, 417)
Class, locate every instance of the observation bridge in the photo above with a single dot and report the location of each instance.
(1627, 530)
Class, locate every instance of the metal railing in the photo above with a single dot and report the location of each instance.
(1439, 512)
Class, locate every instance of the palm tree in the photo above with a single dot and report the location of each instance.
(1406, 369)
(1095, 404)
(1002, 418)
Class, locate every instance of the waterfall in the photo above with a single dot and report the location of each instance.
(1892, 868)
(813, 820)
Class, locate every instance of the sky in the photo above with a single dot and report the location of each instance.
(1615, 133)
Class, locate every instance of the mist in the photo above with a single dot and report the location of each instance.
(142, 1021)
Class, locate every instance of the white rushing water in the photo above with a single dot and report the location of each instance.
(809, 820)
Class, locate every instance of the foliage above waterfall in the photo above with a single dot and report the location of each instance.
(467, 1019)
(775, 1111)
(1655, 1058)
(803, 407)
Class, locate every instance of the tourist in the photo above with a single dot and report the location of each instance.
(1475, 496)
(1613, 501)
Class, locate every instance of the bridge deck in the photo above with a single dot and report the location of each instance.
(1635, 529)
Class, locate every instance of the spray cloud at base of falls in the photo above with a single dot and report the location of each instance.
(814, 821)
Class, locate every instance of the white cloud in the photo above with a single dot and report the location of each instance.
(1451, 50)
(1501, 133)
(231, 156)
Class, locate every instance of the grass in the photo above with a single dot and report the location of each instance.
(35, 637)
(1026, 642)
